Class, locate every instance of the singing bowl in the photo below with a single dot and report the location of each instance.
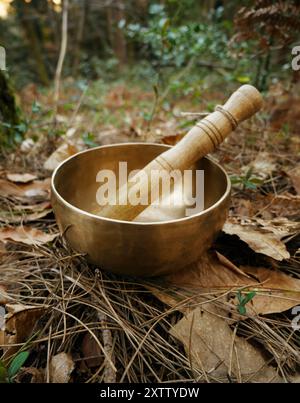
(134, 248)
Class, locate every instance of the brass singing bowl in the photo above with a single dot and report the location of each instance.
(134, 248)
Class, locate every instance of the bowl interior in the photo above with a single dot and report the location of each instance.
(75, 179)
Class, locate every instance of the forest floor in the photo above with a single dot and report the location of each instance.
(229, 318)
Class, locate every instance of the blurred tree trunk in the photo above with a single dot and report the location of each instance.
(115, 14)
(9, 114)
(81, 13)
(26, 13)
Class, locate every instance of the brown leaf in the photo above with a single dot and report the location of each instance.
(163, 294)
(213, 347)
(280, 292)
(275, 291)
(263, 236)
(33, 207)
(295, 178)
(209, 272)
(172, 140)
(61, 368)
(36, 375)
(268, 206)
(26, 235)
(27, 213)
(38, 188)
(21, 178)
(19, 325)
(263, 165)
(63, 152)
(2, 249)
(92, 353)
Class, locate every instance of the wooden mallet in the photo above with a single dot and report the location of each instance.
(201, 140)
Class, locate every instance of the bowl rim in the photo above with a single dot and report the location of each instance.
(153, 223)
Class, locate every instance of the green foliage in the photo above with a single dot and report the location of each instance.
(243, 300)
(16, 133)
(7, 374)
(36, 107)
(89, 140)
(247, 181)
(17, 363)
(166, 42)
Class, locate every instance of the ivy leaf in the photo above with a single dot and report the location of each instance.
(17, 363)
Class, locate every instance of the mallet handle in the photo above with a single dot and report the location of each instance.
(201, 140)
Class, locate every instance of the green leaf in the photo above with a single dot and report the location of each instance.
(164, 23)
(3, 373)
(250, 185)
(17, 363)
(210, 106)
(156, 8)
(242, 310)
(88, 139)
(243, 301)
(243, 79)
(257, 181)
(36, 107)
(235, 179)
(22, 127)
(249, 173)
(122, 23)
(249, 297)
(239, 297)
(68, 107)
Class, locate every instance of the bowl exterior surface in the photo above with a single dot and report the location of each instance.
(129, 248)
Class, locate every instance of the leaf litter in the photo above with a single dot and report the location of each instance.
(184, 327)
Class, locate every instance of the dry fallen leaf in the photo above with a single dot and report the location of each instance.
(33, 207)
(63, 152)
(212, 346)
(172, 140)
(268, 206)
(93, 356)
(37, 188)
(26, 235)
(34, 374)
(2, 249)
(275, 291)
(21, 178)
(280, 292)
(19, 325)
(295, 178)
(61, 368)
(263, 236)
(210, 272)
(26, 213)
(263, 165)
